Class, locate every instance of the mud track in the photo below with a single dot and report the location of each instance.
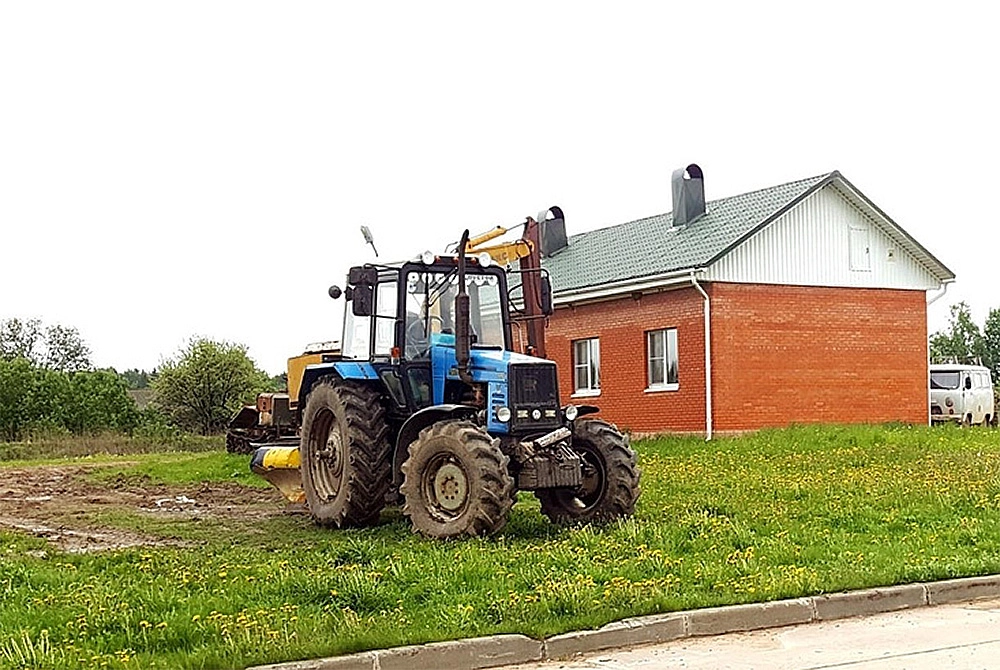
(59, 503)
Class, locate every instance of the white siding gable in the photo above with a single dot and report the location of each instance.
(828, 239)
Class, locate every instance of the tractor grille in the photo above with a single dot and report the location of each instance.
(533, 386)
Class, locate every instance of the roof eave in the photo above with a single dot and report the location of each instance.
(626, 286)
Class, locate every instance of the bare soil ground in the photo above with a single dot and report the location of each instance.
(59, 503)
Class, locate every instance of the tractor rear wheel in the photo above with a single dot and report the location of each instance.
(455, 481)
(610, 478)
(345, 454)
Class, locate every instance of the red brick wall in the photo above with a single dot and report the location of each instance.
(788, 354)
(621, 326)
(781, 354)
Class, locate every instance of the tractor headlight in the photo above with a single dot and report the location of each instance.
(427, 257)
(571, 412)
(485, 260)
(503, 414)
(949, 402)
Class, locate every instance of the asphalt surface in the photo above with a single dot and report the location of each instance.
(958, 635)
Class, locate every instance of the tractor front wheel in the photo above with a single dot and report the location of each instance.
(345, 454)
(610, 478)
(455, 481)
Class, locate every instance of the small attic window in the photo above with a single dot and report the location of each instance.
(861, 257)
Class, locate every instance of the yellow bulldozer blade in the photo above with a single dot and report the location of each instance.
(280, 467)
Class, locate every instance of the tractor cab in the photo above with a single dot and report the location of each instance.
(402, 319)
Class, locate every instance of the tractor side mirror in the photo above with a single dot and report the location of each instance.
(363, 279)
(546, 296)
(334, 292)
(363, 300)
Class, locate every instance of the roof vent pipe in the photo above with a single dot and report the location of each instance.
(553, 231)
(688, 185)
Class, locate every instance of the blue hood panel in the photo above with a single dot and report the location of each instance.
(487, 366)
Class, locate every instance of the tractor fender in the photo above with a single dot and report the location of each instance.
(584, 410)
(416, 423)
(339, 369)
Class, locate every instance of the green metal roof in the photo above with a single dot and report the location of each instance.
(653, 246)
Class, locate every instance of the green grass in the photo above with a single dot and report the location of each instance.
(185, 468)
(56, 445)
(777, 514)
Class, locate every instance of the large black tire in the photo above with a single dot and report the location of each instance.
(346, 469)
(610, 478)
(455, 481)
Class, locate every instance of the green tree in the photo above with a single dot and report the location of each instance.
(16, 383)
(962, 341)
(54, 347)
(46, 384)
(138, 379)
(99, 400)
(20, 339)
(278, 383)
(206, 383)
(65, 350)
(991, 340)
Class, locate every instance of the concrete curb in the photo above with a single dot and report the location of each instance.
(497, 650)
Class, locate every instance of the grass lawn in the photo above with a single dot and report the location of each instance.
(778, 514)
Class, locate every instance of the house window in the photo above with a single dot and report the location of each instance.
(661, 359)
(587, 367)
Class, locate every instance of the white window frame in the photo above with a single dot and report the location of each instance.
(662, 365)
(591, 367)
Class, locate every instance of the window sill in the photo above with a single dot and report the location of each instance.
(586, 393)
(659, 388)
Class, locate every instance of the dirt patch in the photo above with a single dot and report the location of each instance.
(58, 503)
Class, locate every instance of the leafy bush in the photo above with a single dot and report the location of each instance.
(206, 384)
(35, 399)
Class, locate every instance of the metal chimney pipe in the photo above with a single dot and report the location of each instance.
(689, 194)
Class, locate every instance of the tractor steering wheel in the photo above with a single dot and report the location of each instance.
(418, 341)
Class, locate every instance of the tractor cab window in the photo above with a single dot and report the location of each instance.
(385, 318)
(430, 307)
(357, 337)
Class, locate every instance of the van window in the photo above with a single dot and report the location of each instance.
(945, 380)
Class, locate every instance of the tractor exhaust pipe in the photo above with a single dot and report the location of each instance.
(463, 334)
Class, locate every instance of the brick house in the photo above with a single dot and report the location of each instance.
(799, 303)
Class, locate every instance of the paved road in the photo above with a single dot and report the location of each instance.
(964, 636)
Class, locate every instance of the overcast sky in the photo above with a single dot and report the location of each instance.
(202, 168)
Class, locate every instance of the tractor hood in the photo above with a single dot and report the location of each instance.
(487, 364)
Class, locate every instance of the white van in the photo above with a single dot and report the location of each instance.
(961, 393)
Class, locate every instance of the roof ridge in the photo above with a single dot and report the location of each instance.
(817, 178)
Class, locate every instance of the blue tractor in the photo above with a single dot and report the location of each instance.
(427, 405)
